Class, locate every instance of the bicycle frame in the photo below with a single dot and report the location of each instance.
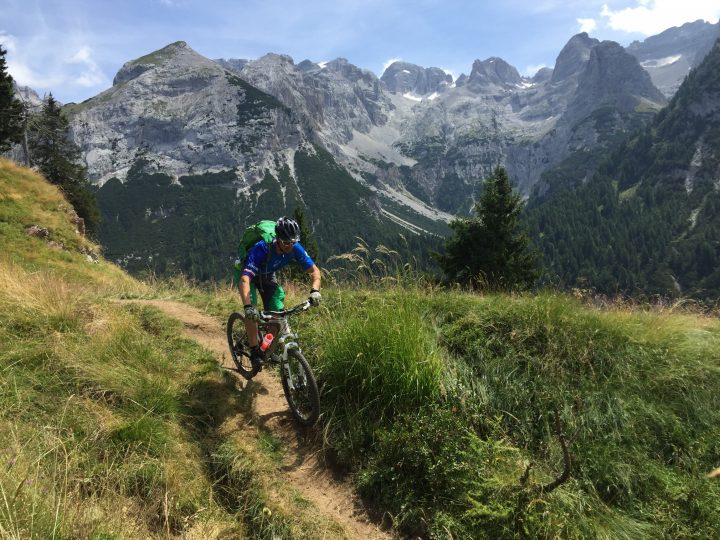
(298, 380)
(280, 318)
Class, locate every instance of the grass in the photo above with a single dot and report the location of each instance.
(105, 407)
(439, 403)
(26, 199)
(112, 424)
(635, 390)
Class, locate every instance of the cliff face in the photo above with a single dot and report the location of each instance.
(670, 55)
(179, 113)
(415, 133)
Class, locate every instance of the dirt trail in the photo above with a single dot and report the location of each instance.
(303, 460)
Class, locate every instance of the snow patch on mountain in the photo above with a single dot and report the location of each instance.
(668, 60)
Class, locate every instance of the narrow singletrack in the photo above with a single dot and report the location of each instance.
(303, 461)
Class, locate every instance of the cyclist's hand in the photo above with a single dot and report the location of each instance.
(251, 313)
(315, 297)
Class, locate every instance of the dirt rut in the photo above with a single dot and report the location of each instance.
(303, 460)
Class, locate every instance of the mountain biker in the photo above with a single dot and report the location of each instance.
(258, 275)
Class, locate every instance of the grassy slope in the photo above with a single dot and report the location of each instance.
(444, 449)
(115, 427)
(112, 425)
(26, 199)
(439, 401)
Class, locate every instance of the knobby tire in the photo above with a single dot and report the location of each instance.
(304, 400)
(239, 347)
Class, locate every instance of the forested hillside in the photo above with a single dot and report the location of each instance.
(194, 225)
(649, 221)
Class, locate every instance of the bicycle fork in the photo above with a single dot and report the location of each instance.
(288, 346)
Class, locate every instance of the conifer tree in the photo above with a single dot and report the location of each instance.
(306, 236)
(491, 249)
(58, 158)
(11, 109)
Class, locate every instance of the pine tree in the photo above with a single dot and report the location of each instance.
(58, 158)
(491, 249)
(11, 109)
(306, 236)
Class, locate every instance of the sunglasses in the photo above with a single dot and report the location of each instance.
(286, 243)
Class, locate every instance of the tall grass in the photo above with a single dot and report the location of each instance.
(369, 267)
(113, 426)
(375, 359)
(440, 400)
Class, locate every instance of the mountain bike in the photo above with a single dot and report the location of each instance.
(298, 379)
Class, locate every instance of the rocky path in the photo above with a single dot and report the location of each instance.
(303, 459)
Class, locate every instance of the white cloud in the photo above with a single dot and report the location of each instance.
(587, 25)
(31, 63)
(24, 75)
(8, 41)
(91, 74)
(388, 62)
(82, 56)
(533, 69)
(650, 17)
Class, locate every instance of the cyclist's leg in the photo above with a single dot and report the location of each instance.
(251, 327)
(277, 300)
(272, 294)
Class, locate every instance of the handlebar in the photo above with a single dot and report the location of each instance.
(269, 315)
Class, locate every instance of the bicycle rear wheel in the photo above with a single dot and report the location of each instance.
(239, 346)
(301, 390)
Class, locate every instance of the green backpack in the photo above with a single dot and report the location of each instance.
(263, 230)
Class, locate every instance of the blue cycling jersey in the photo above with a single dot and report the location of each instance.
(257, 260)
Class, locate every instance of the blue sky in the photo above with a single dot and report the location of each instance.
(73, 48)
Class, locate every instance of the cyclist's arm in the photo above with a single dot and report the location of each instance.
(257, 254)
(314, 272)
(245, 289)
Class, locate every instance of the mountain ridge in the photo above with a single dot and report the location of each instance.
(417, 160)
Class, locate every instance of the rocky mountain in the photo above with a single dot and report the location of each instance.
(186, 153)
(649, 221)
(182, 114)
(404, 78)
(28, 95)
(410, 148)
(528, 125)
(669, 56)
(492, 74)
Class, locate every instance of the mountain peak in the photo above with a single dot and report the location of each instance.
(170, 53)
(493, 71)
(406, 77)
(573, 57)
(614, 76)
(274, 58)
(350, 71)
(668, 56)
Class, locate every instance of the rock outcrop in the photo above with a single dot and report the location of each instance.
(670, 55)
(176, 112)
(404, 77)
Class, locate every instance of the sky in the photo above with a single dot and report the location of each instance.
(74, 48)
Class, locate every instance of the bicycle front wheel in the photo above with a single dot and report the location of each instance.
(239, 346)
(301, 390)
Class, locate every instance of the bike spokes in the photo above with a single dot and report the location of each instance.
(239, 346)
(301, 389)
